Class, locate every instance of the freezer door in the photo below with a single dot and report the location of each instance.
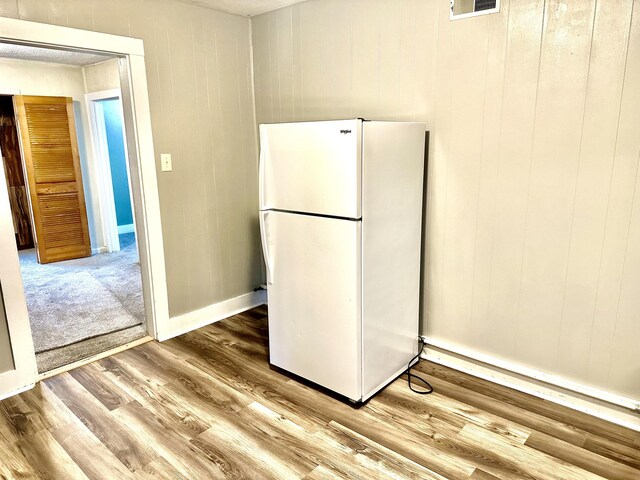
(311, 167)
(314, 289)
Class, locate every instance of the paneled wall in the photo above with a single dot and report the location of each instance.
(533, 230)
(199, 75)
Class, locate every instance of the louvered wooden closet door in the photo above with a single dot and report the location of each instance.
(50, 150)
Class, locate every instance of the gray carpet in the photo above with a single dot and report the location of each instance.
(75, 300)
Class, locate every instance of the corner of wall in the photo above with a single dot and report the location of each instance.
(213, 313)
(616, 409)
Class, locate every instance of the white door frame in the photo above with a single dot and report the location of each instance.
(100, 148)
(23, 375)
(139, 140)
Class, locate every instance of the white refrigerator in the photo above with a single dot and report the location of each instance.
(341, 222)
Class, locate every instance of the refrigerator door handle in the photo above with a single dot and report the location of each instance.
(264, 236)
(261, 166)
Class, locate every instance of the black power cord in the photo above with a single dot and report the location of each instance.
(427, 386)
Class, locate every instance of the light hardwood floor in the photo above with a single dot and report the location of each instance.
(207, 405)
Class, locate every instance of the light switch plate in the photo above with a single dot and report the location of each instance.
(165, 161)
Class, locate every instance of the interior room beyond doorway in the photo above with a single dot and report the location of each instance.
(81, 300)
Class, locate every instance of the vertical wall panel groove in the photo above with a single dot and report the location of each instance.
(562, 78)
(527, 197)
(492, 121)
(215, 242)
(514, 160)
(563, 325)
(625, 166)
(599, 133)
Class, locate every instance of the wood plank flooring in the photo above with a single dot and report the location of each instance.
(207, 405)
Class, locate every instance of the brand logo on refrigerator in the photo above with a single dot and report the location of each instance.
(344, 132)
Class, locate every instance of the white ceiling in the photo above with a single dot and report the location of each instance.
(25, 52)
(246, 7)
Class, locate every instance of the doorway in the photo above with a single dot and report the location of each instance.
(21, 373)
(112, 120)
(108, 139)
(80, 299)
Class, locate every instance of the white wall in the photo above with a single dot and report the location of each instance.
(101, 76)
(48, 79)
(533, 232)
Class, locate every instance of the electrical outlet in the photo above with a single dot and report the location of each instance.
(165, 161)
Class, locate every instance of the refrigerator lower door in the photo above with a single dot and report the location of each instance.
(314, 288)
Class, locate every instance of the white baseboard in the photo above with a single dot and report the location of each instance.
(16, 392)
(613, 408)
(126, 229)
(95, 251)
(211, 314)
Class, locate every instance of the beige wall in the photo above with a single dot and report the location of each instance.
(199, 76)
(6, 359)
(533, 232)
(39, 78)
